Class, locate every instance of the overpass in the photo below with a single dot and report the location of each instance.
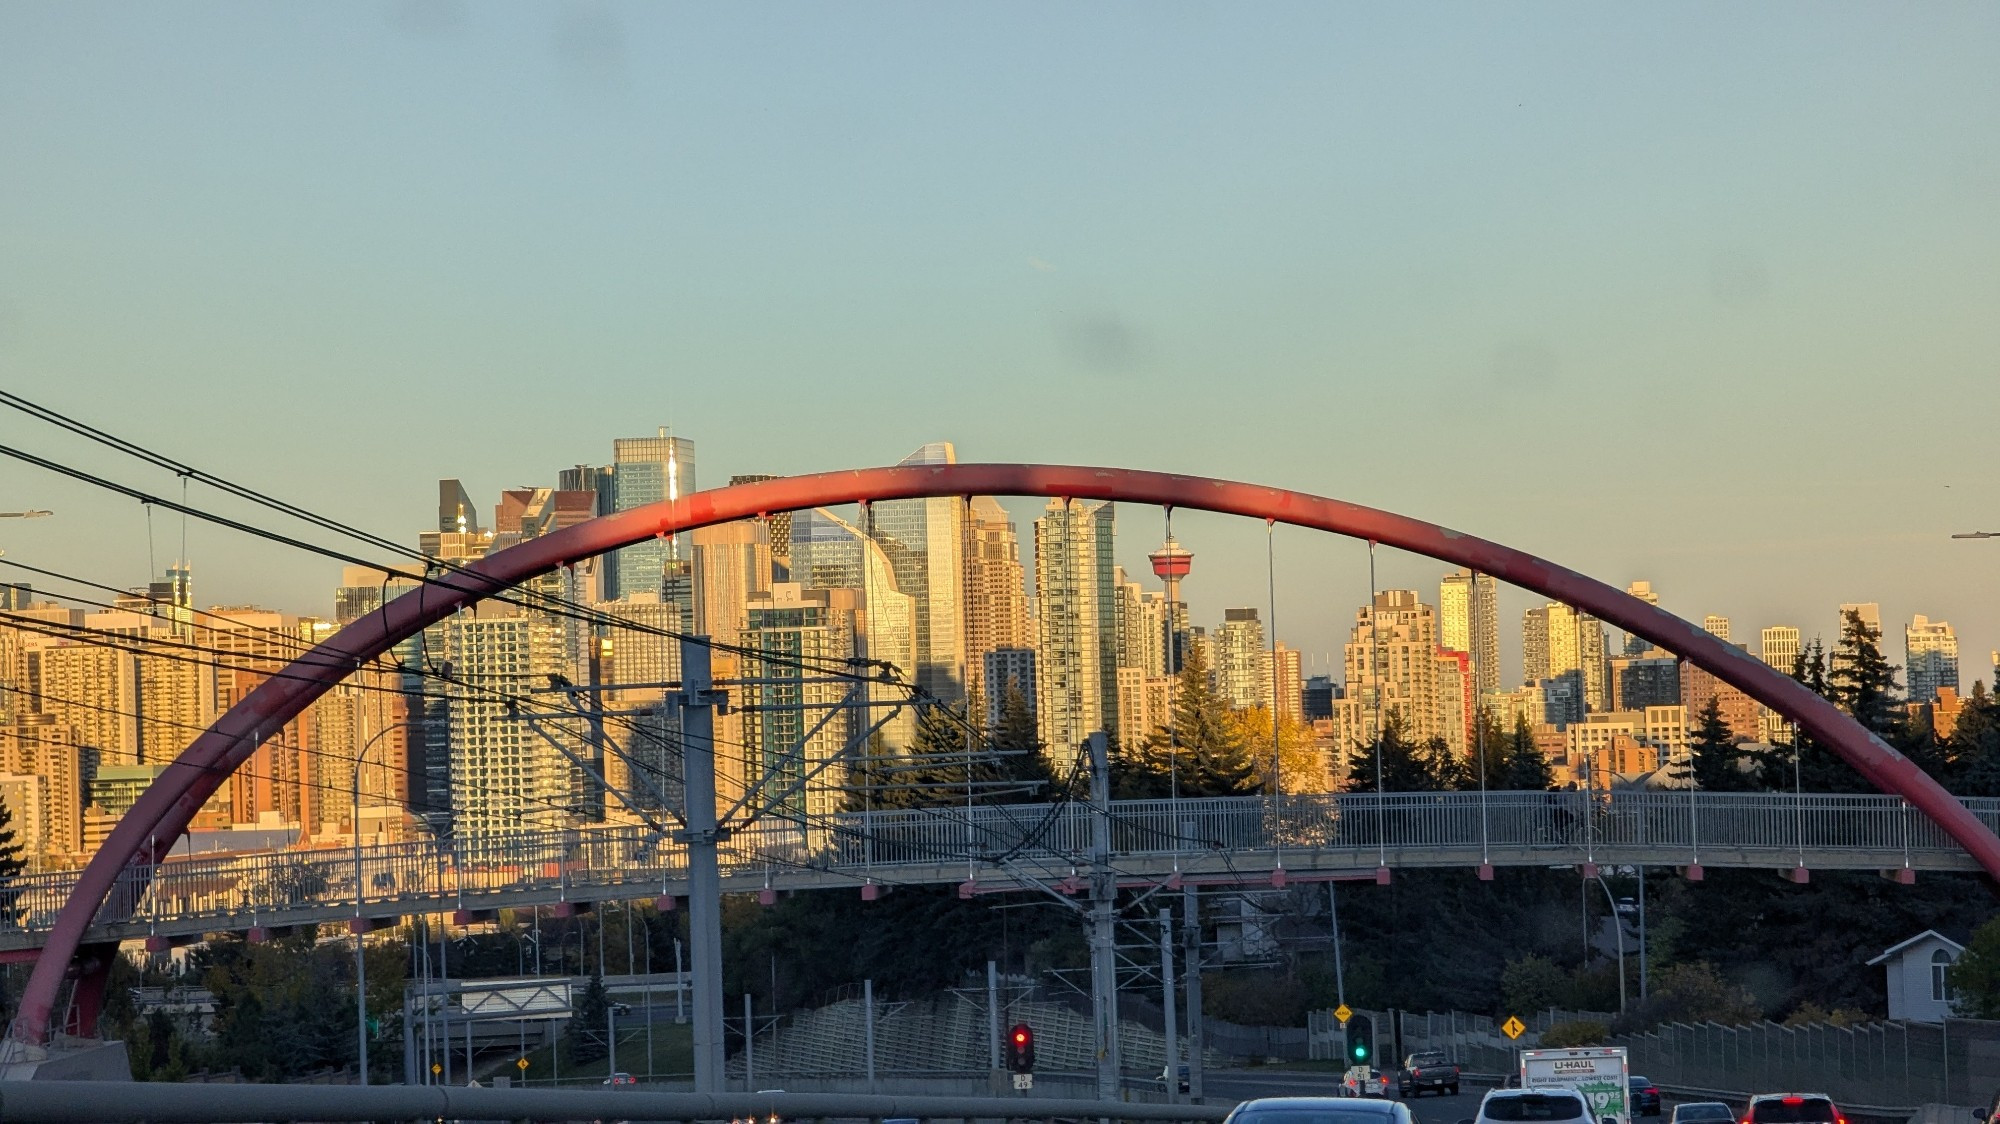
(1001, 848)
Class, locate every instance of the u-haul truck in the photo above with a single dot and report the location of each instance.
(1598, 1074)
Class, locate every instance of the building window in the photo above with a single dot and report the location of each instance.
(1940, 960)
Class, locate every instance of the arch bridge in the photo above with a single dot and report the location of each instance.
(76, 944)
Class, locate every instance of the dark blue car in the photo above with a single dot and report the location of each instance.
(1645, 1097)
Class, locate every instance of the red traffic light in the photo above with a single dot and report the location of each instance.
(1021, 1048)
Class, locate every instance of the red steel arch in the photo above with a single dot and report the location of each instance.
(148, 831)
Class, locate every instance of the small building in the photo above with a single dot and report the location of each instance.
(1916, 967)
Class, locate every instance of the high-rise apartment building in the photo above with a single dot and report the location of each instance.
(1242, 664)
(506, 777)
(1392, 666)
(1455, 711)
(1469, 622)
(1007, 669)
(1287, 682)
(1778, 646)
(996, 598)
(789, 741)
(924, 540)
(1556, 638)
(646, 470)
(1930, 658)
(1740, 712)
(1076, 641)
(1716, 626)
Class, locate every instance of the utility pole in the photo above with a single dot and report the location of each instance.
(1173, 1074)
(697, 700)
(1191, 981)
(1103, 919)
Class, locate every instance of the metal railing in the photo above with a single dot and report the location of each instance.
(1304, 833)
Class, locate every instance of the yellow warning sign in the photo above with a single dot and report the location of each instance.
(1343, 1013)
(522, 1064)
(1513, 1027)
(436, 1069)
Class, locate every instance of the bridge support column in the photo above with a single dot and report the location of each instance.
(1103, 924)
(697, 701)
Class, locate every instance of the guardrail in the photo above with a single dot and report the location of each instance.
(1308, 832)
(112, 1102)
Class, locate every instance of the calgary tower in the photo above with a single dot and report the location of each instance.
(1171, 563)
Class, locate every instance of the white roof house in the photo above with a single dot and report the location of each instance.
(1917, 991)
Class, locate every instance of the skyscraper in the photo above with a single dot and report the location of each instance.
(1076, 642)
(996, 598)
(1469, 622)
(646, 470)
(925, 543)
(1930, 658)
(828, 552)
(731, 565)
(1242, 664)
(1716, 626)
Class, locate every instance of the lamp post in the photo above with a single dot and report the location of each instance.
(360, 959)
(35, 513)
(1618, 928)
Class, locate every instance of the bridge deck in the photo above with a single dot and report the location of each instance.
(1237, 840)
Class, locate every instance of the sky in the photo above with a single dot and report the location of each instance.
(1701, 293)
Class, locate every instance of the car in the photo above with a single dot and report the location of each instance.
(1363, 1081)
(1429, 1069)
(1792, 1108)
(1702, 1112)
(1319, 1110)
(1628, 908)
(1163, 1078)
(1530, 1106)
(1644, 1096)
(621, 1079)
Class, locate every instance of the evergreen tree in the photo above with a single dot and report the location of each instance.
(1715, 761)
(11, 862)
(1204, 754)
(1975, 746)
(1525, 768)
(1405, 765)
(586, 1037)
(1806, 765)
(1862, 681)
(1489, 740)
(1022, 758)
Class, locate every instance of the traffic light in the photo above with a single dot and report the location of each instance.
(1021, 1048)
(1361, 1040)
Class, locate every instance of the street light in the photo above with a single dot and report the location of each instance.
(1977, 535)
(361, 960)
(1617, 927)
(36, 513)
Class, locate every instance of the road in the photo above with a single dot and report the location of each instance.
(1245, 1084)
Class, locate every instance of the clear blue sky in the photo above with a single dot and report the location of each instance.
(1699, 293)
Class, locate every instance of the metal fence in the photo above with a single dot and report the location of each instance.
(1883, 1063)
(1300, 832)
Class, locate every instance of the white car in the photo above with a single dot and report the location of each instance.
(1531, 1106)
(1363, 1081)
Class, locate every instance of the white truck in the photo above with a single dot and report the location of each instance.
(1598, 1074)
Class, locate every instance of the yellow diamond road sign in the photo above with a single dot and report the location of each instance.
(1343, 1013)
(1513, 1027)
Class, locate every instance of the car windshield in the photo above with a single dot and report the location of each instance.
(1534, 1106)
(1311, 1116)
(1703, 1112)
(1792, 1110)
